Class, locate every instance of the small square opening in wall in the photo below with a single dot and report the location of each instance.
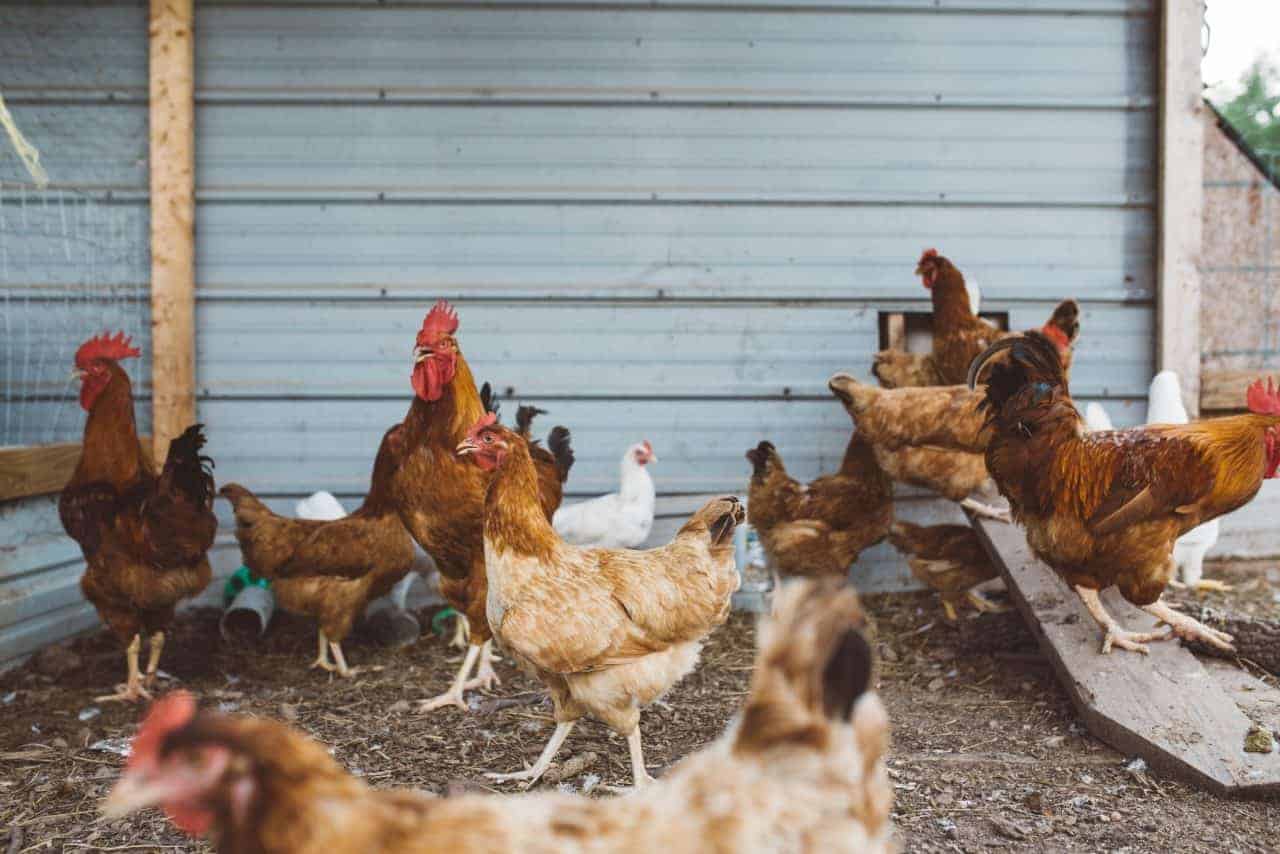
(912, 331)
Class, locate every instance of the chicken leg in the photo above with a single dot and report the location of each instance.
(153, 659)
(486, 676)
(639, 774)
(532, 775)
(461, 632)
(1132, 641)
(453, 697)
(1188, 628)
(132, 690)
(322, 656)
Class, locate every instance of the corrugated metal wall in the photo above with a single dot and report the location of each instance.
(659, 221)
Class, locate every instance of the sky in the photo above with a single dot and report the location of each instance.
(1239, 30)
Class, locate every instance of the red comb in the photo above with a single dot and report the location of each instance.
(1264, 400)
(441, 320)
(648, 449)
(486, 420)
(927, 254)
(169, 713)
(106, 346)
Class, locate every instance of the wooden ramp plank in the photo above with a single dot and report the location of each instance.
(1166, 708)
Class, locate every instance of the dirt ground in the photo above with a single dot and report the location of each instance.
(987, 753)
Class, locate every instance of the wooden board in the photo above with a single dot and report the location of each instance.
(1223, 391)
(42, 469)
(173, 281)
(1167, 708)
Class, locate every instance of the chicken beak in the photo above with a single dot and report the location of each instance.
(652, 458)
(77, 374)
(132, 793)
(421, 354)
(466, 447)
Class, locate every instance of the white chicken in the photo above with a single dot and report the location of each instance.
(619, 520)
(1164, 406)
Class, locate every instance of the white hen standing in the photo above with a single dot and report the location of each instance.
(1164, 406)
(619, 520)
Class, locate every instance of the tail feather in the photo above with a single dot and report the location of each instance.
(524, 419)
(486, 399)
(759, 457)
(558, 444)
(246, 506)
(186, 469)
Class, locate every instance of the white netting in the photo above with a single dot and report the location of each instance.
(71, 265)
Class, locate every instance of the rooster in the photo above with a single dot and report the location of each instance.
(619, 520)
(145, 537)
(1164, 406)
(959, 335)
(606, 630)
(330, 569)
(440, 498)
(818, 528)
(1105, 508)
(802, 770)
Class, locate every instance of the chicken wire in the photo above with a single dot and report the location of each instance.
(71, 265)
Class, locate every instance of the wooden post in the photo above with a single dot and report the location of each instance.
(1181, 195)
(172, 61)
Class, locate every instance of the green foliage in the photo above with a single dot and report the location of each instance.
(1255, 112)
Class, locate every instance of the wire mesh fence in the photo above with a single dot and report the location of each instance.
(71, 265)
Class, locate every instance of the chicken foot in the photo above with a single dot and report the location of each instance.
(1204, 585)
(453, 697)
(986, 511)
(486, 676)
(1132, 641)
(133, 690)
(325, 647)
(1189, 628)
(531, 775)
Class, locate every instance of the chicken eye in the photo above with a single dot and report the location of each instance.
(488, 438)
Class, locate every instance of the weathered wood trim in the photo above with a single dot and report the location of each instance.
(1181, 195)
(172, 155)
(41, 469)
(1224, 390)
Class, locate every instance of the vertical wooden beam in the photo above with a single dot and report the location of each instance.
(1181, 195)
(172, 72)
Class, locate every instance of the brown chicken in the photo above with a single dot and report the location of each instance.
(145, 537)
(441, 498)
(920, 436)
(1104, 508)
(606, 630)
(804, 770)
(949, 559)
(330, 570)
(819, 528)
(959, 335)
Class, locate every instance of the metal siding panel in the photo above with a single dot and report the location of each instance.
(646, 54)
(313, 250)
(613, 349)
